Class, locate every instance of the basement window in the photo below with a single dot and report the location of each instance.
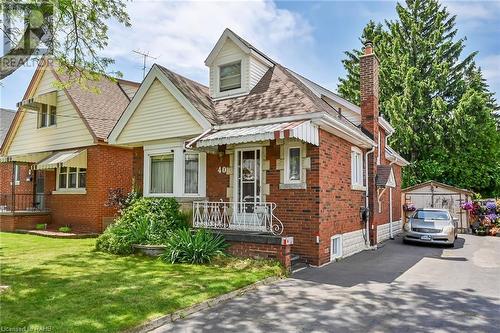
(230, 76)
(336, 247)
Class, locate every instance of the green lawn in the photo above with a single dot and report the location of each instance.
(65, 285)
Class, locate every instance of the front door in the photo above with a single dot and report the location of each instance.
(248, 180)
(39, 190)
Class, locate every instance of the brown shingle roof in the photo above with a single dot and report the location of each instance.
(195, 92)
(6, 118)
(101, 105)
(383, 175)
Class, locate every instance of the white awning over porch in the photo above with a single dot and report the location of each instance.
(69, 158)
(303, 130)
(27, 158)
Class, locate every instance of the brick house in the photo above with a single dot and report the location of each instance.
(267, 155)
(57, 167)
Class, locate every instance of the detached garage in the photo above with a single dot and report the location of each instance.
(433, 194)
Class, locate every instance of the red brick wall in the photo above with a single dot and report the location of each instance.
(6, 170)
(339, 204)
(282, 253)
(138, 168)
(298, 209)
(107, 168)
(24, 222)
(217, 183)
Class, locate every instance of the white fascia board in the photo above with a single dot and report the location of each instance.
(261, 58)
(220, 43)
(204, 123)
(267, 121)
(335, 127)
(155, 73)
(386, 125)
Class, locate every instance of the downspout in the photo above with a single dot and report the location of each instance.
(391, 230)
(367, 193)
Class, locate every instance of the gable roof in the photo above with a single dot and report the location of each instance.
(240, 42)
(6, 118)
(101, 105)
(385, 176)
(196, 92)
(434, 183)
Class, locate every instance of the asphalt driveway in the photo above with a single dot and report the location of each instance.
(397, 288)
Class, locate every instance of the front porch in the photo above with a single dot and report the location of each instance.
(237, 216)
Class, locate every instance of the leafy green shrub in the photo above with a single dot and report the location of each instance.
(65, 229)
(41, 226)
(146, 221)
(198, 247)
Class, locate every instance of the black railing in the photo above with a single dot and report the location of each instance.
(22, 202)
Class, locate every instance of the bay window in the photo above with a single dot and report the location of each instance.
(174, 172)
(162, 174)
(191, 173)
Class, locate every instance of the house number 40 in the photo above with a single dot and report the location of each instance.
(222, 169)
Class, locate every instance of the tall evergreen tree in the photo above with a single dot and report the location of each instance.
(427, 84)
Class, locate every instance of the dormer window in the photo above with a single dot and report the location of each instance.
(230, 76)
(46, 115)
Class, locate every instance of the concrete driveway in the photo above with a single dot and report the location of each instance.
(397, 288)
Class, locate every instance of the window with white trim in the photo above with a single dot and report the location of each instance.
(174, 172)
(191, 173)
(336, 247)
(356, 167)
(162, 174)
(47, 115)
(230, 76)
(17, 174)
(293, 166)
(71, 178)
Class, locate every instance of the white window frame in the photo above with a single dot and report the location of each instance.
(337, 255)
(71, 190)
(219, 76)
(179, 171)
(357, 175)
(287, 164)
(47, 123)
(17, 174)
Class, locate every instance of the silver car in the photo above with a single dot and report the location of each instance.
(430, 225)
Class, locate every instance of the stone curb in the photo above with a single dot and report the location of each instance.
(183, 313)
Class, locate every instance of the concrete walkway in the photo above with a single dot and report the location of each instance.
(398, 288)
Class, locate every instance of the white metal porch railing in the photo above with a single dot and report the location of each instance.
(244, 216)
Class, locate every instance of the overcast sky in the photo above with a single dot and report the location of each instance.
(308, 37)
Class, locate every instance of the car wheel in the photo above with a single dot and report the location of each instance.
(456, 236)
(405, 241)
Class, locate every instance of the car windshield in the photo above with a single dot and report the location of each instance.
(431, 215)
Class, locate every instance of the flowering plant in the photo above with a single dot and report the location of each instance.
(468, 206)
(491, 206)
(409, 207)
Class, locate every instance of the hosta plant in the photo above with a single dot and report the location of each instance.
(193, 247)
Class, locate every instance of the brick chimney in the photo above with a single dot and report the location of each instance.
(369, 90)
(369, 122)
